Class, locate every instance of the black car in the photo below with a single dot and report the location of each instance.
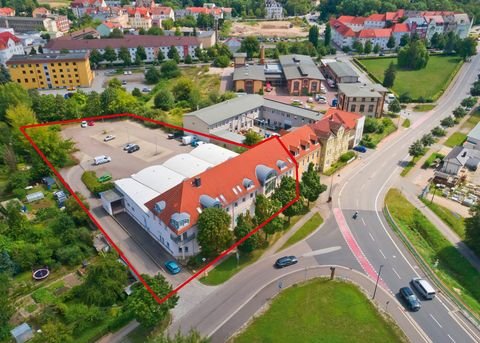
(133, 148)
(285, 261)
(410, 298)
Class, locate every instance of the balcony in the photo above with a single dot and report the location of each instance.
(178, 239)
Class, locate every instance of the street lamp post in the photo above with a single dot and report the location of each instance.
(376, 283)
(433, 195)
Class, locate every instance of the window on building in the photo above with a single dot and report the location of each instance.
(60, 70)
(236, 204)
(354, 99)
(33, 80)
(370, 108)
(19, 81)
(26, 80)
(24, 72)
(353, 108)
(186, 249)
(362, 108)
(31, 71)
(180, 249)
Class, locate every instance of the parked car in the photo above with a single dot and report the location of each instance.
(90, 123)
(101, 159)
(171, 136)
(71, 89)
(172, 267)
(285, 261)
(423, 287)
(410, 298)
(124, 82)
(128, 146)
(310, 100)
(133, 148)
(109, 138)
(360, 148)
(84, 123)
(104, 178)
(146, 90)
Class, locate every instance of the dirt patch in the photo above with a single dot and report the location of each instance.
(268, 29)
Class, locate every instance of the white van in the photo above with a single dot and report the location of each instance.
(423, 287)
(101, 159)
(390, 98)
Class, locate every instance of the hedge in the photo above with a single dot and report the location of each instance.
(89, 178)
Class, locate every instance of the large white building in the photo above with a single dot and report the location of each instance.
(9, 45)
(166, 200)
(273, 10)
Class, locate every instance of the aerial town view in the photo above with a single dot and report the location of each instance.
(239, 171)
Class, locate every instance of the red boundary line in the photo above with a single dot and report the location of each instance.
(97, 224)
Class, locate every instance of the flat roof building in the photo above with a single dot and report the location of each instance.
(339, 72)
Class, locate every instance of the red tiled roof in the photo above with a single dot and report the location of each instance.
(111, 25)
(341, 28)
(6, 11)
(298, 139)
(218, 182)
(375, 33)
(376, 17)
(403, 27)
(5, 37)
(161, 10)
(144, 12)
(394, 16)
(129, 41)
(348, 19)
(349, 119)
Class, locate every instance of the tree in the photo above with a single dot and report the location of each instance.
(394, 106)
(173, 54)
(286, 193)
(475, 89)
(264, 209)
(155, 31)
(416, 149)
(472, 228)
(311, 187)
(116, 33)
(141, 53)
(33, 51)
(164, 100)
(104, 283)
(144, 307)
(244, 226)
(313, 35)
(459, 112)
(81, 316)
(358, 46)
(152, 75)
(252, 138)
(451, 42)
(4, 75)
(327, 35)
(95, 58)
(427, 139)
(124, 55)
(221, 61)
(250, 45)
(438, 131)
(376, 48)
(110, 55)
(186, 90)
(389, 76)
(6, 306)
(205, 21)
(368, 47)
(167, 24)
(75, 211)
(11, 95)
(170, 69)
(188, 59)
(53, 332)
(405, 39)
(467, 47)
(413, 56)
(214, 234)
(40, 49)
(469, 102)
(160, 56)
(447, 122)
(391, 42)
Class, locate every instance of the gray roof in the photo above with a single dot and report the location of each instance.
(236, 106)
(300, 66)
(475, 132)
(46, 58)
(458, 155)
(342, 69)
(22, 333)
(240, 54)
(231, 136)
(249, 72)
(361, 90)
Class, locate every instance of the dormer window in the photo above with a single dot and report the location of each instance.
(179, 220)
(159, 207)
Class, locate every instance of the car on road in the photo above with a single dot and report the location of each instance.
(124, 82)
(172, 267)
(90, 123)
(133, 148)
(109, 138)
(410, 298)
(71, 89)
(101, 159)
(360, 148)
(423, 287)
(285, 261)
(146, 90)
(84, 123)
(128, 146)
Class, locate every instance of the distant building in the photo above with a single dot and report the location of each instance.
(7, 12)
(301, 74)
(27, 24)
(273, 10)
(105, 28)
(208, 8)
(161, 13)
(233, 44)
(81, 34)
(9, 45)
(22, 333)
(366, 99)
(139, 18)
(249, 78)
(81, 7)
(40, 12)
(473, 137)
(339, 72)
(51, 71)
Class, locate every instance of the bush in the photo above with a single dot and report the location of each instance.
(89, 178)
(221, 61)
(367, 142)
(405, 97)
(438, 132)
(370, 125)
(448, 122)
(347, 156)
(164, 100)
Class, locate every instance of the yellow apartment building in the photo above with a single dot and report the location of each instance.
(50, 71)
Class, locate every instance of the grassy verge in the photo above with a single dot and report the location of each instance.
(389, 127)
(453, 220)
(304, 231)
(412, 163)
(424, 107)
(472, 120)
(406, 123)
(453, 269)
(428, 162)
(321, 311)
(428, 82)
(457, 138)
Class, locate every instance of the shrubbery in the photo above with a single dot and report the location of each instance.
(89, 178)
(347, 156)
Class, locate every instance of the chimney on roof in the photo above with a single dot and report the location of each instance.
(197, 182)
(262, 54)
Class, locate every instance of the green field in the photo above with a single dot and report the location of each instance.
(427, 82)
(304, 231)
(457, 138)
(321, 311)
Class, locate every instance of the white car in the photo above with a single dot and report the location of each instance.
(84, 123)
(128, 146)
(322, 101)
(108, 138)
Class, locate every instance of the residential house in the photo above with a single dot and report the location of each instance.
(473, 137)
(28, 24)
(273, 10)
(139, 18)
(435, 24)
(458, 158)
(399, 30)
(301, 74)
(353, 122)
(9, 45)
(152, 44)
(81, 7)
(375, 21)
(7, 12)
(207, 9)
(86, 33)
(375, 36)
(105, 28)
(233, 44)
(40, 12)
(365, 99)
(160, 13)
(304, 145)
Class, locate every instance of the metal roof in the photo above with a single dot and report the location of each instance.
(212, 153)
(136, 191)
(361, 90)
(300, 66)
(187, 165)
(158, 177)
(475, 132)
(342, 69)
(249, 72)
(295, 110)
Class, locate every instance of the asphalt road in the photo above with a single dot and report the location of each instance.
(361, 187)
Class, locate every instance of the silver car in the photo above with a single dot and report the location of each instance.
(108, 138)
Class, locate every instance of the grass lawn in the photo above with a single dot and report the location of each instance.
(424, 107)
(406, 123)
(304, 231)
(453, 220)
(321, 311)
(428, 82)
(472, 120)
(453, 269)
(428, 162)
(457, 138)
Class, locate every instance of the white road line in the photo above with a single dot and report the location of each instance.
(363, 221)
(322, 251)
(396, 273)
(451, 338)
(435, 320)
(381, 252)
(373, 239)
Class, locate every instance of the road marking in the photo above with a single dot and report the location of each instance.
(363, 221)
(435, 320)
(358, 203)
(321, 251)
(451, 338)
(373, 239)
(396, 273)
(381, 252)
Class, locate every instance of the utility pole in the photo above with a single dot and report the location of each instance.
(376, 283)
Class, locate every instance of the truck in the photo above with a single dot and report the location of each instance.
(187, 140)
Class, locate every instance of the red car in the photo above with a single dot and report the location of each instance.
(90, 123)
